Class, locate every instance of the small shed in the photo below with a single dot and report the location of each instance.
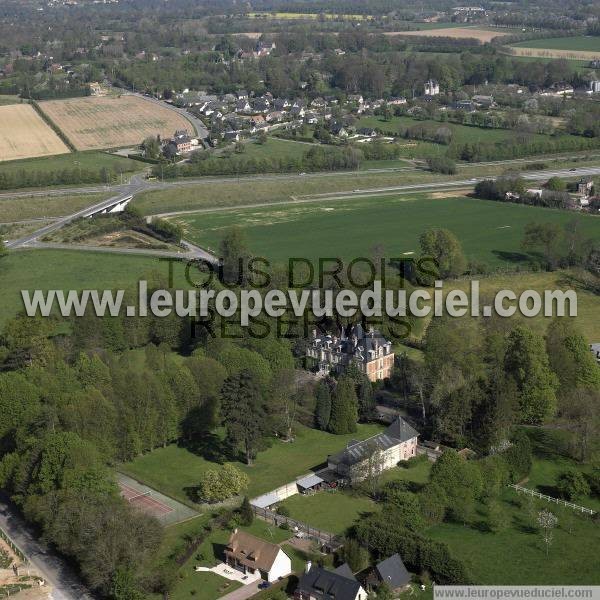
(309, 482)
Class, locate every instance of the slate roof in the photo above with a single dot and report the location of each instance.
(325, 585)
(356, 452)
(393, 572)
(345, 571)
(252, 551)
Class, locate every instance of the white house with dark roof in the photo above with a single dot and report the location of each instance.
(377, 453)
(318, 583)
(250, 554)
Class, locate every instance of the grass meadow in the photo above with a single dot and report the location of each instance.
(74, 160)
(69, 269)
(461, 134)
(490, 232)
(587, 43)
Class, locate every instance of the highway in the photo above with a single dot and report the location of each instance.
(138, 184)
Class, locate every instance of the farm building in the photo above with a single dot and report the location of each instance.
(370, 351)
(377, 453)
(250, 554)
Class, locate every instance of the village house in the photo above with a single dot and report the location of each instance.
(297, 111)
(338, 129)
(483, 101)
(431, 88)
(356, 99)
(396, 101)
(390, 571)
(368, 131)
(318, 583)
(275, 116)
(318, 103)
(242, 106)
(370, 351)
(378, 453)
(311, 118)
(180, 143)
(250, 554)
(261, 105)
(281, 104)
(466, 105)
(231, 136)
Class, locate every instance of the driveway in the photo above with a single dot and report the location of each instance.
(247, 591)
(224, 570)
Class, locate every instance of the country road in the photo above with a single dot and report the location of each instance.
(64, 581)
(285, 176)
(138, 184)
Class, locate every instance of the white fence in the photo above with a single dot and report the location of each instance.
(536, 494)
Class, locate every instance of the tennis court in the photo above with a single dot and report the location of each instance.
(151, 502)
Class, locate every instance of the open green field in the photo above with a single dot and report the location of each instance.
(69, 269)
(275, 147)
(173, 469)
(584, 43)
(278, 148)
(34, 207)
(74, 160)
(490, 232)
(461, 134)
(588, 303)
(517, 555)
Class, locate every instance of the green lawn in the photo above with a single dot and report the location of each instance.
(84, 160)
(585, 43)
(173, 469)
(337, 511)
(417, 473)
(461, 134)
(517, 555)
(331, 511)
(69, 269)
(275, 147)
(551, 448)
(490, 232)
(544, 475)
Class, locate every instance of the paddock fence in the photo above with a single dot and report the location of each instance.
(536, 494)
(330, 540)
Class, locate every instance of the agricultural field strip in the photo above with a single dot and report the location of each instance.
(482, 35)
(23, 134)
(93, 123)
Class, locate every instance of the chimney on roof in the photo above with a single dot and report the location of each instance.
(308, 566)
